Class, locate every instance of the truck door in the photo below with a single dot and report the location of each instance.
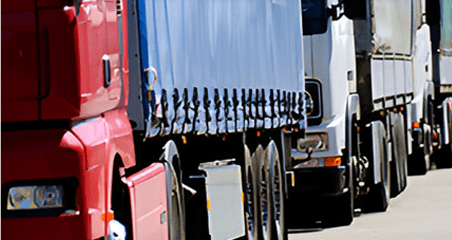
(39, 75)
(20, 70)
(148, 201)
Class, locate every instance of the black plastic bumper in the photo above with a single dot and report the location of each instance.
(310, 192)
(322, 181)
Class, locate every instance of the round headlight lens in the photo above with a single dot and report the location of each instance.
(48, 196)
(20, 198)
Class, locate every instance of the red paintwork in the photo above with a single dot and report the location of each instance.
(144, 175)
(61, 77)
(19, 61)
(148, 195)
(41, 154)
(86, 151)
(69, 75)
(60, 84)
(103, 138)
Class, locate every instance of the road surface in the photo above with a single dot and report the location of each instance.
(423, 211)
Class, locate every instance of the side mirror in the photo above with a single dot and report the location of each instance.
(355, 9)
(315, 16)
(314, 107)
(77, 4)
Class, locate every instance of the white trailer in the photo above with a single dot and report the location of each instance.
(439, 19)
(374, 61)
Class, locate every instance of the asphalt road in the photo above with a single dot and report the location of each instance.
(422, 211)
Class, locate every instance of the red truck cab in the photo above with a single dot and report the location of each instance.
(64, 119)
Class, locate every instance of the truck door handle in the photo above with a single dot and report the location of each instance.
(107, 70)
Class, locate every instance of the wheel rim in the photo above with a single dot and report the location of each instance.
(175, 214)
(250, 213)
(386, 178)
(277, 200)
(264, 206)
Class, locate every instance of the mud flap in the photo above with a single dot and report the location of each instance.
(377, 133)
(148, 200)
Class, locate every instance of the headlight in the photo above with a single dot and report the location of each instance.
(310, 163)
(315, 141)
(35, 197)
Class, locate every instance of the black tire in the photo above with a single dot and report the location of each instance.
(419, 162)
(266, 226)
(377, 200)
(252, 191)
(120, 200)
(276, 177)
(175, 196)
(272, 195)
(443, 158)
(399, 172)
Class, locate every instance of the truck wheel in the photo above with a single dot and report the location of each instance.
(175, 197)
(272, 195)
(252, 191)
(264, 191)
(399, 160)
(419, 162)
(443, 158)
(278, 194)
(340, 209)
(377, 200)
(120, 202)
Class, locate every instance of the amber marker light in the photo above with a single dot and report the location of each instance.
(184, 139)
(108, 216)
(258, 133)
(208, 204)
(332, 161)
(416, 125)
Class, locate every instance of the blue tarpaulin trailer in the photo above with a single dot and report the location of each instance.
(221, 66)
(219, 84)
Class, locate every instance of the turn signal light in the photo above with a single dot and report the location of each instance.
(332, 161)
(416, 125)
(108, 216)
(208, 204)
